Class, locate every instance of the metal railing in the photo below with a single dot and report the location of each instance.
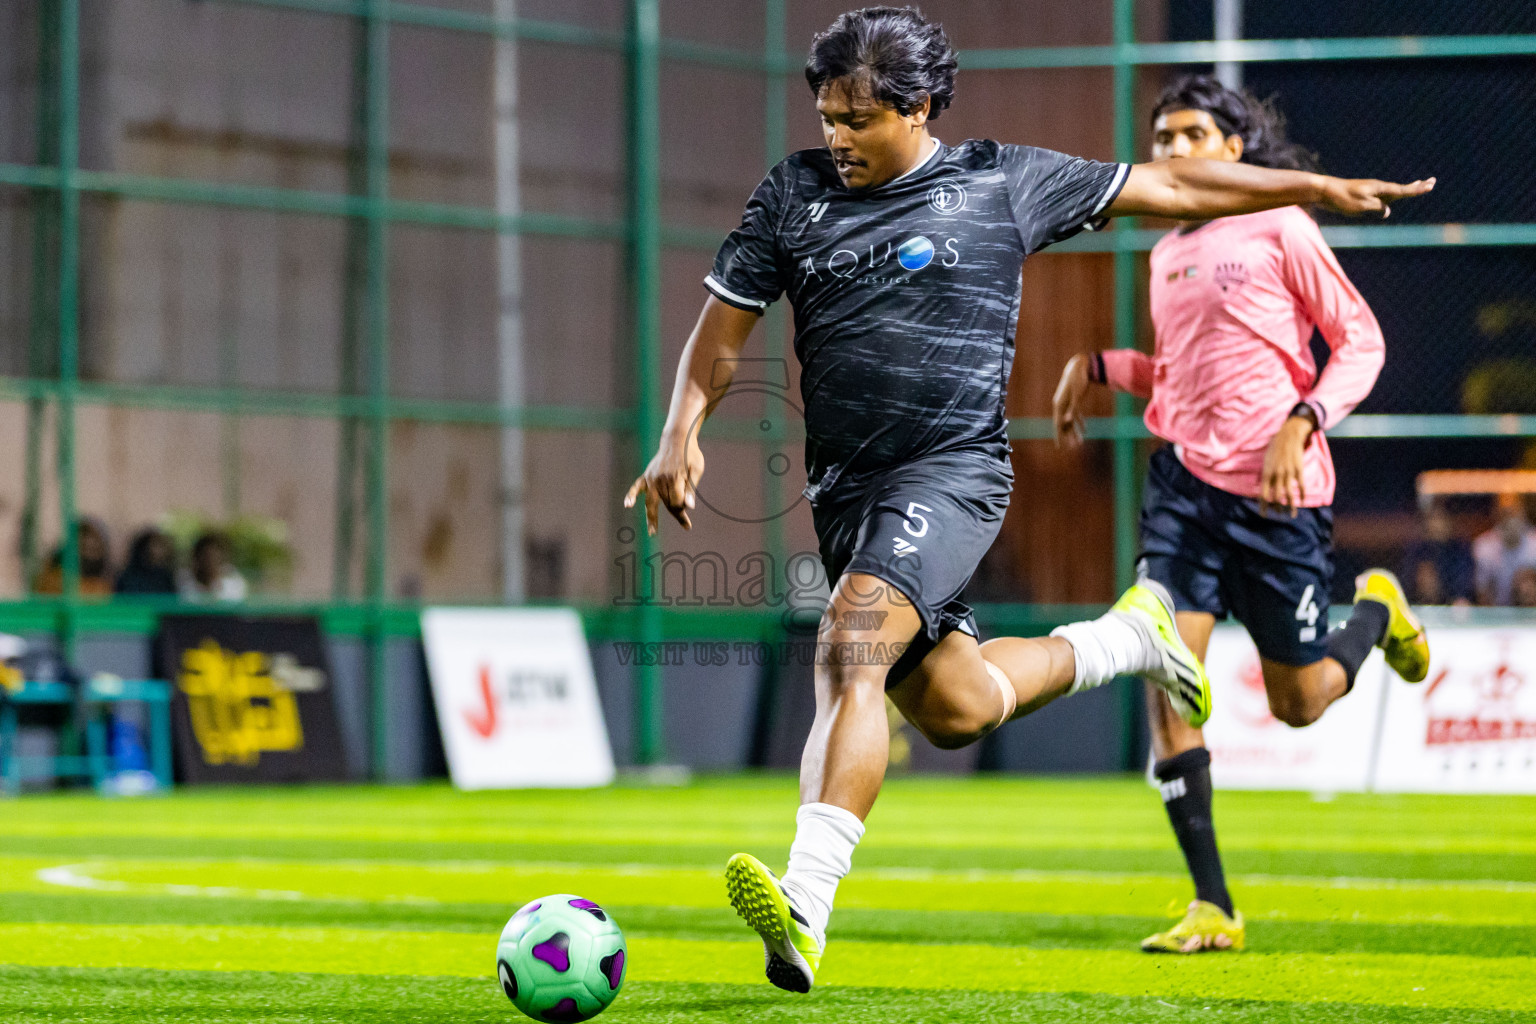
(644, 50)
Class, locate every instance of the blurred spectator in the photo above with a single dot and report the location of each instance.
(211, 576)
(95, 573)
(1525, 588)
(1503, 551)
(1438, 567)
(151, 567)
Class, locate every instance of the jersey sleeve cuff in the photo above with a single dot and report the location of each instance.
(1319, 415)
(1096, 219)
(731, 298)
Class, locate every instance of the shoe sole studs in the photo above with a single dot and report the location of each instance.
(749, 896)
(745, 889)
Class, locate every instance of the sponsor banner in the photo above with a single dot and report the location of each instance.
(1471, 726)
(1251, 749)
(252, 700)
(516, 698)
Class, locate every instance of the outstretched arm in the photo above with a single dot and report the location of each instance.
(1193, 189)
(703, 376)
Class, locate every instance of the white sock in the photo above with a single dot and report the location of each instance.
(822, 854)
(1111, 645)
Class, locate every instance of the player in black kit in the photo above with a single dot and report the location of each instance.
(901, 257)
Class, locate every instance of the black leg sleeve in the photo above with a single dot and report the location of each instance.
(1185, 782)
(1351, 643)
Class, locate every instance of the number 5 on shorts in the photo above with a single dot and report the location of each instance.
(922, 530)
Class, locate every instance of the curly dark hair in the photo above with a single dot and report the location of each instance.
(896, 52)
(1258, 122)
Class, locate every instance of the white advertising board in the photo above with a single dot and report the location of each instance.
(1251, 749)
(1471, 726)
(516, 698)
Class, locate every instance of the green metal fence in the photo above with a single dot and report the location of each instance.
(59, 182)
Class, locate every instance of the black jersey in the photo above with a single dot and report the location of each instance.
(906, 296)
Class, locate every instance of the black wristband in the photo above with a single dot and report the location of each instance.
(1308, 412)
(1096, 369)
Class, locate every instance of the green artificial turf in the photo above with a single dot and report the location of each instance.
(977, 899)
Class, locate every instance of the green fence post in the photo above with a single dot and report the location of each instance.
(69, 308)
(42, 336)
(775, 141)
(354, 318)
(1125, 304)
(376, 300)
(645, 287)
(774, 422)
(1125, 337)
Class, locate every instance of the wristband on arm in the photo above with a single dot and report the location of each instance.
(1310, 411)
(1096, 373)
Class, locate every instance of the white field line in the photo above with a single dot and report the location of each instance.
(73, 876)
(79, 876)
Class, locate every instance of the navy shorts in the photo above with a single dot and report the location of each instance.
(1219, 553)
(922, 527)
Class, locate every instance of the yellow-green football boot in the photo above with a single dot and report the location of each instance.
(791, 952)
(1205, 929)
(1405, 642)
(1182, 676)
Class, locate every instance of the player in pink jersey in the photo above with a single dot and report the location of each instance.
(1236, 518)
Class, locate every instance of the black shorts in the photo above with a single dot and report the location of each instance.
(922, 527)
(1218, 553)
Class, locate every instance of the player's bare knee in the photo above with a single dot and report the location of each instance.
(849, 676)
(951, 725)
(1297, 697)
(953, 735)
(1296, 710)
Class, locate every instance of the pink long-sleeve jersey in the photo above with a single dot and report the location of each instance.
(1234, 303)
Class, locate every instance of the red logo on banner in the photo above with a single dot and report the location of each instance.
(1253, 704)
(483, 719)
(1493, 716)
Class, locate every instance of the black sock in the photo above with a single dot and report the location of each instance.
(1351, 643)
(1185, 781)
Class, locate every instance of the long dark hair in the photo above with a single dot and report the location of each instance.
(1257, 122)
(896, 52)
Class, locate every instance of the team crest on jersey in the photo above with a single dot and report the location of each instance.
(1231, 275)
(946, 197)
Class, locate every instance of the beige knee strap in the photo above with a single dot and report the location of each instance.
(1010, 697)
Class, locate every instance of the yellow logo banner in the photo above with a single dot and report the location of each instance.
(239, 706)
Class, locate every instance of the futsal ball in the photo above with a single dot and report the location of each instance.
(561, 958)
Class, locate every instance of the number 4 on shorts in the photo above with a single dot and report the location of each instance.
(1306, 611)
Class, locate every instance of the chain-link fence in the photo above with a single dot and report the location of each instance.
(407, 282)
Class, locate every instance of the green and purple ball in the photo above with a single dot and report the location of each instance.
(561, 958)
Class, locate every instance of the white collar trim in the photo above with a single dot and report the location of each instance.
(924, 162)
